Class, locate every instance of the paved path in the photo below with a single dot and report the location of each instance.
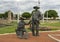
(42, 38)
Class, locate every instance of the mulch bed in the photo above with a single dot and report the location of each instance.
(42, 38)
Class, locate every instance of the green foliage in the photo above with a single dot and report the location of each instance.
(16, 16)
(51, 13)
(5, 15)
(1, 15)
(26, 15)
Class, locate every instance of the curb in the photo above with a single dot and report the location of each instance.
(7, 33)
(50, 31)
(29, 32)
(54, 38)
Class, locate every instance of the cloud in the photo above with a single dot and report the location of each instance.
(18, 6)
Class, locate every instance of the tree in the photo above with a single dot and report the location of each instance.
(51, 13)
(26, 15)
(1, 15)
(6, 14)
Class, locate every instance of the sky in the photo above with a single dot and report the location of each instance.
(20, 6)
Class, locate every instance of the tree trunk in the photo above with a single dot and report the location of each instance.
(54, 18)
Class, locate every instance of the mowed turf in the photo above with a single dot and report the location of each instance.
(11, 29)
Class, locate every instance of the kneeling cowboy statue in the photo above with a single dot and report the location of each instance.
(21, 31)
(36, 17)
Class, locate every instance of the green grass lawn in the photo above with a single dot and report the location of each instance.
(8, 29)
(11, 29)
(54, 26)
(57, 24)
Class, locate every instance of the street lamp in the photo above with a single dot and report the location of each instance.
(40, 7)
(43, 18)
(39, 3)
(47, 16)
(18, 13)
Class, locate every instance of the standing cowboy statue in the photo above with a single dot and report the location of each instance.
(35, 18)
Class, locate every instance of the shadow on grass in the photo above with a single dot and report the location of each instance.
(44, 29)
